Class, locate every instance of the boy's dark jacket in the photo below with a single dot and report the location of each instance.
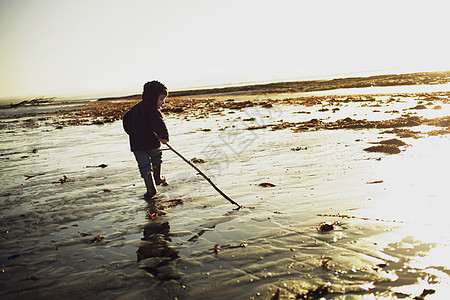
(144, 125)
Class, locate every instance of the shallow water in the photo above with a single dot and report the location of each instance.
(389, 239)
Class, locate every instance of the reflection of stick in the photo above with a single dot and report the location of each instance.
(204, 176)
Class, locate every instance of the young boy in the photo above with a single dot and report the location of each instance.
(146, 129)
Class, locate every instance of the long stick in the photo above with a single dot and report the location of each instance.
(204, 176)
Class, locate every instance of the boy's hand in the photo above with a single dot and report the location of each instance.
(163, 141)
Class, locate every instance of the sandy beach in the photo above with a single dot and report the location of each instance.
(344, 197)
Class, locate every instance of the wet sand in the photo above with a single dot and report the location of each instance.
(323, 216)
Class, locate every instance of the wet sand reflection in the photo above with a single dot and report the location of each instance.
(154, 254)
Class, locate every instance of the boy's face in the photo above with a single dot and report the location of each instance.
(161, 98)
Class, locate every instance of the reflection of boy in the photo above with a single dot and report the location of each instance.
(146, 129)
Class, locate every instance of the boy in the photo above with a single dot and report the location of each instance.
(146, 129)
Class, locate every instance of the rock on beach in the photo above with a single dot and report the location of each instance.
(384, 148)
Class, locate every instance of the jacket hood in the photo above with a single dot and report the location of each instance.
(152, 90)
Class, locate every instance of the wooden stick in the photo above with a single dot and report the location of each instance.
(204, 176)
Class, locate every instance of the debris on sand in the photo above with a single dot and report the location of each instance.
(299, 148)
(97, 238)
(419, 107)
(64, 179)
(217, 247)
(325, 226)
(439, 132)
(34, 278)
(267, 184)
(174, 202)
(338, 215)
(234, 246)
(152, 215)
(425, 293)
(375, 182)
(31, 176)
(197, 160)
(403, 133)
(316, 293)
(99, 166)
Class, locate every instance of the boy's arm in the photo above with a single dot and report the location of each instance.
(125, 122)
(160, 128)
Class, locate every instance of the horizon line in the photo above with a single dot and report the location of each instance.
(112, 94)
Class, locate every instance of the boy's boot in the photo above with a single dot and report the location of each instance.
(150, 184)
(157, 175)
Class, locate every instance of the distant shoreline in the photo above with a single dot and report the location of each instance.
(312, 85)
(422, 78)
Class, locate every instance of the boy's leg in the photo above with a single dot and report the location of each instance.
(150, 185)
(144, 162)
(145, 168)
(155, 156)
(157, 175)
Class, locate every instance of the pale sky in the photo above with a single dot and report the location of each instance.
(112, 47)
